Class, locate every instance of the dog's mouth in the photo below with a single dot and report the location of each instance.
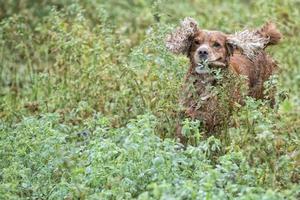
(202, 69)
(217, 63)
(203, 66)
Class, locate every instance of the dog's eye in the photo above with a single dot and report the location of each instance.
(197, 42)
(217, 45)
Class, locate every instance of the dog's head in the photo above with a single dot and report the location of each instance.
(213, 47)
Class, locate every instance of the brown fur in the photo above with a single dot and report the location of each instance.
(230, 53)
(270, 31)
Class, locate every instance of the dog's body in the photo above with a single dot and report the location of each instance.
(240, 54)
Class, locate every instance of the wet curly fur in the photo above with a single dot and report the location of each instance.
(241, 53)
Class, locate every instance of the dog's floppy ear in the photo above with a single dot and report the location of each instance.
(249, 42)
(179, 41)
(229, 48)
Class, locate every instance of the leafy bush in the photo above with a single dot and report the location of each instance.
(46, 159)
(89, 97)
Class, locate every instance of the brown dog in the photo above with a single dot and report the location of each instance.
(241, 53)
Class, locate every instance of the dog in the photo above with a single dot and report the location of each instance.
(241, 54)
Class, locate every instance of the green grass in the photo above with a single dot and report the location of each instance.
(89, 96)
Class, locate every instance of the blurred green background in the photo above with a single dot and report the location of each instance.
(101, 66)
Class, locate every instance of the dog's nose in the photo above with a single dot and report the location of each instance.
(203, 53)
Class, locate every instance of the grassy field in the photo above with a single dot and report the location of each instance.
(89, 95)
